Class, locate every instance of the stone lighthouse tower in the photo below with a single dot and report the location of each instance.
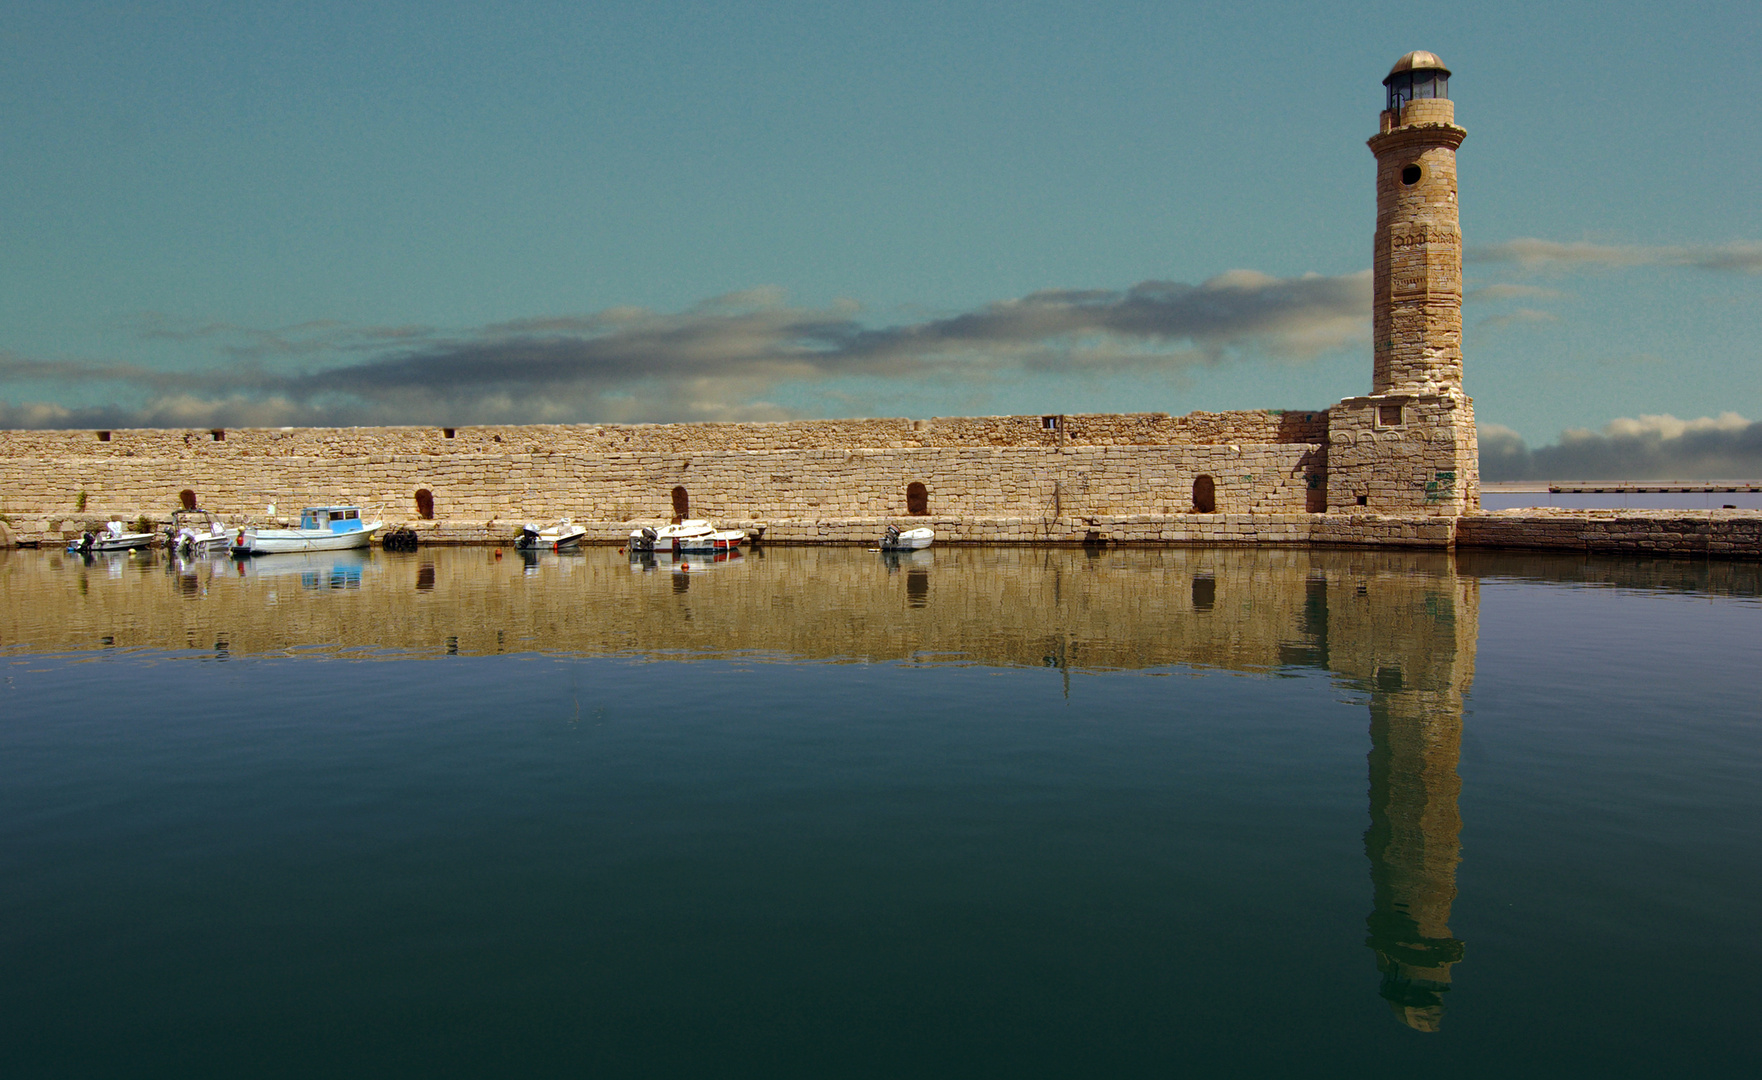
(1410, 446)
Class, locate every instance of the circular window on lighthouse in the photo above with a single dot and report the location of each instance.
(1410, 175)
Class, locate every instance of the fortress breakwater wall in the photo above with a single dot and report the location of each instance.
(986, 478)
(1201, 479)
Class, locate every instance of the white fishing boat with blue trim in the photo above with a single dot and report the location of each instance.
(322, 528)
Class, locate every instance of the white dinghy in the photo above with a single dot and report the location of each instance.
(195, 532)
(112, 538)
(692, 534)
(564, 534)
(909, 540)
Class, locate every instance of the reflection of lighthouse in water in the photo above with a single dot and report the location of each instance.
(1416, 737)
(1406, 636)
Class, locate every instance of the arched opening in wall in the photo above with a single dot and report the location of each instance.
(681, 505)
(188, 498)
(1204, 495)
(425, 504)
(917, 499)
(1316, 499)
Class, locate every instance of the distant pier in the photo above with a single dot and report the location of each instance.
(1621, 487)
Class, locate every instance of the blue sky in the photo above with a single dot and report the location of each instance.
(250, 213)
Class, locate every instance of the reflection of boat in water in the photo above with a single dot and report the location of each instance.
(564, 534)
(692, 534)
(195, 531)
(909, 540)
(114, 562)
(683, 562)
(316, 570)
(895, 559)
(112, 538)
(564, 560)
(322, 528)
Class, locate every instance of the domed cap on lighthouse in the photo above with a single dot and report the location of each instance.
(1419, 74)
(1417, 60)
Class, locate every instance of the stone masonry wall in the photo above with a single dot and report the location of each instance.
(995, 477)
(1416, 262)
(1404, 454)
(1715, 533)
(484, 496)
(1107, 429)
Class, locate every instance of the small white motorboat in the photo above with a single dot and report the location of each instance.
(564, 534)
(322, 528)
(692, 534)
(112, 538)
(194, 532)
(909, 540)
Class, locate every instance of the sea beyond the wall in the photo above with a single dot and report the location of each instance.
(832, 812)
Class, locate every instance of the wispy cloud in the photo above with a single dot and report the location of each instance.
(1520, 315)
(1723, 447)
(313, 338)
(1510, 291)
(1742, 257)
(720, 360)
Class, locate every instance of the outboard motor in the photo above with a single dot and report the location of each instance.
(649, 536)
(891, 537)
(86, 541)
(528, 536)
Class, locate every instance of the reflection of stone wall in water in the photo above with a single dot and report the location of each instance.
(1242, 609)
(1397, 627)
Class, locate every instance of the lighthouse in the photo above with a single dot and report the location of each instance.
(1410, 446)
(1417, 258)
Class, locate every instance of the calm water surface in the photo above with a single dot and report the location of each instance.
(972, 812)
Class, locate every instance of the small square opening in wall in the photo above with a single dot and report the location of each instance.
(1364, 500)
(104, 436)
(218, 435)
(1389, 415)
(447, 432)
(1049, 423)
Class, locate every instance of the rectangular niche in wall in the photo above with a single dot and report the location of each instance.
(1389, 415)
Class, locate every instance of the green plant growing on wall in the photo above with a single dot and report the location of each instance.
(80, 502)
(144, 524)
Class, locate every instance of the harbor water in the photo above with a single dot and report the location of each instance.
(834, 812)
